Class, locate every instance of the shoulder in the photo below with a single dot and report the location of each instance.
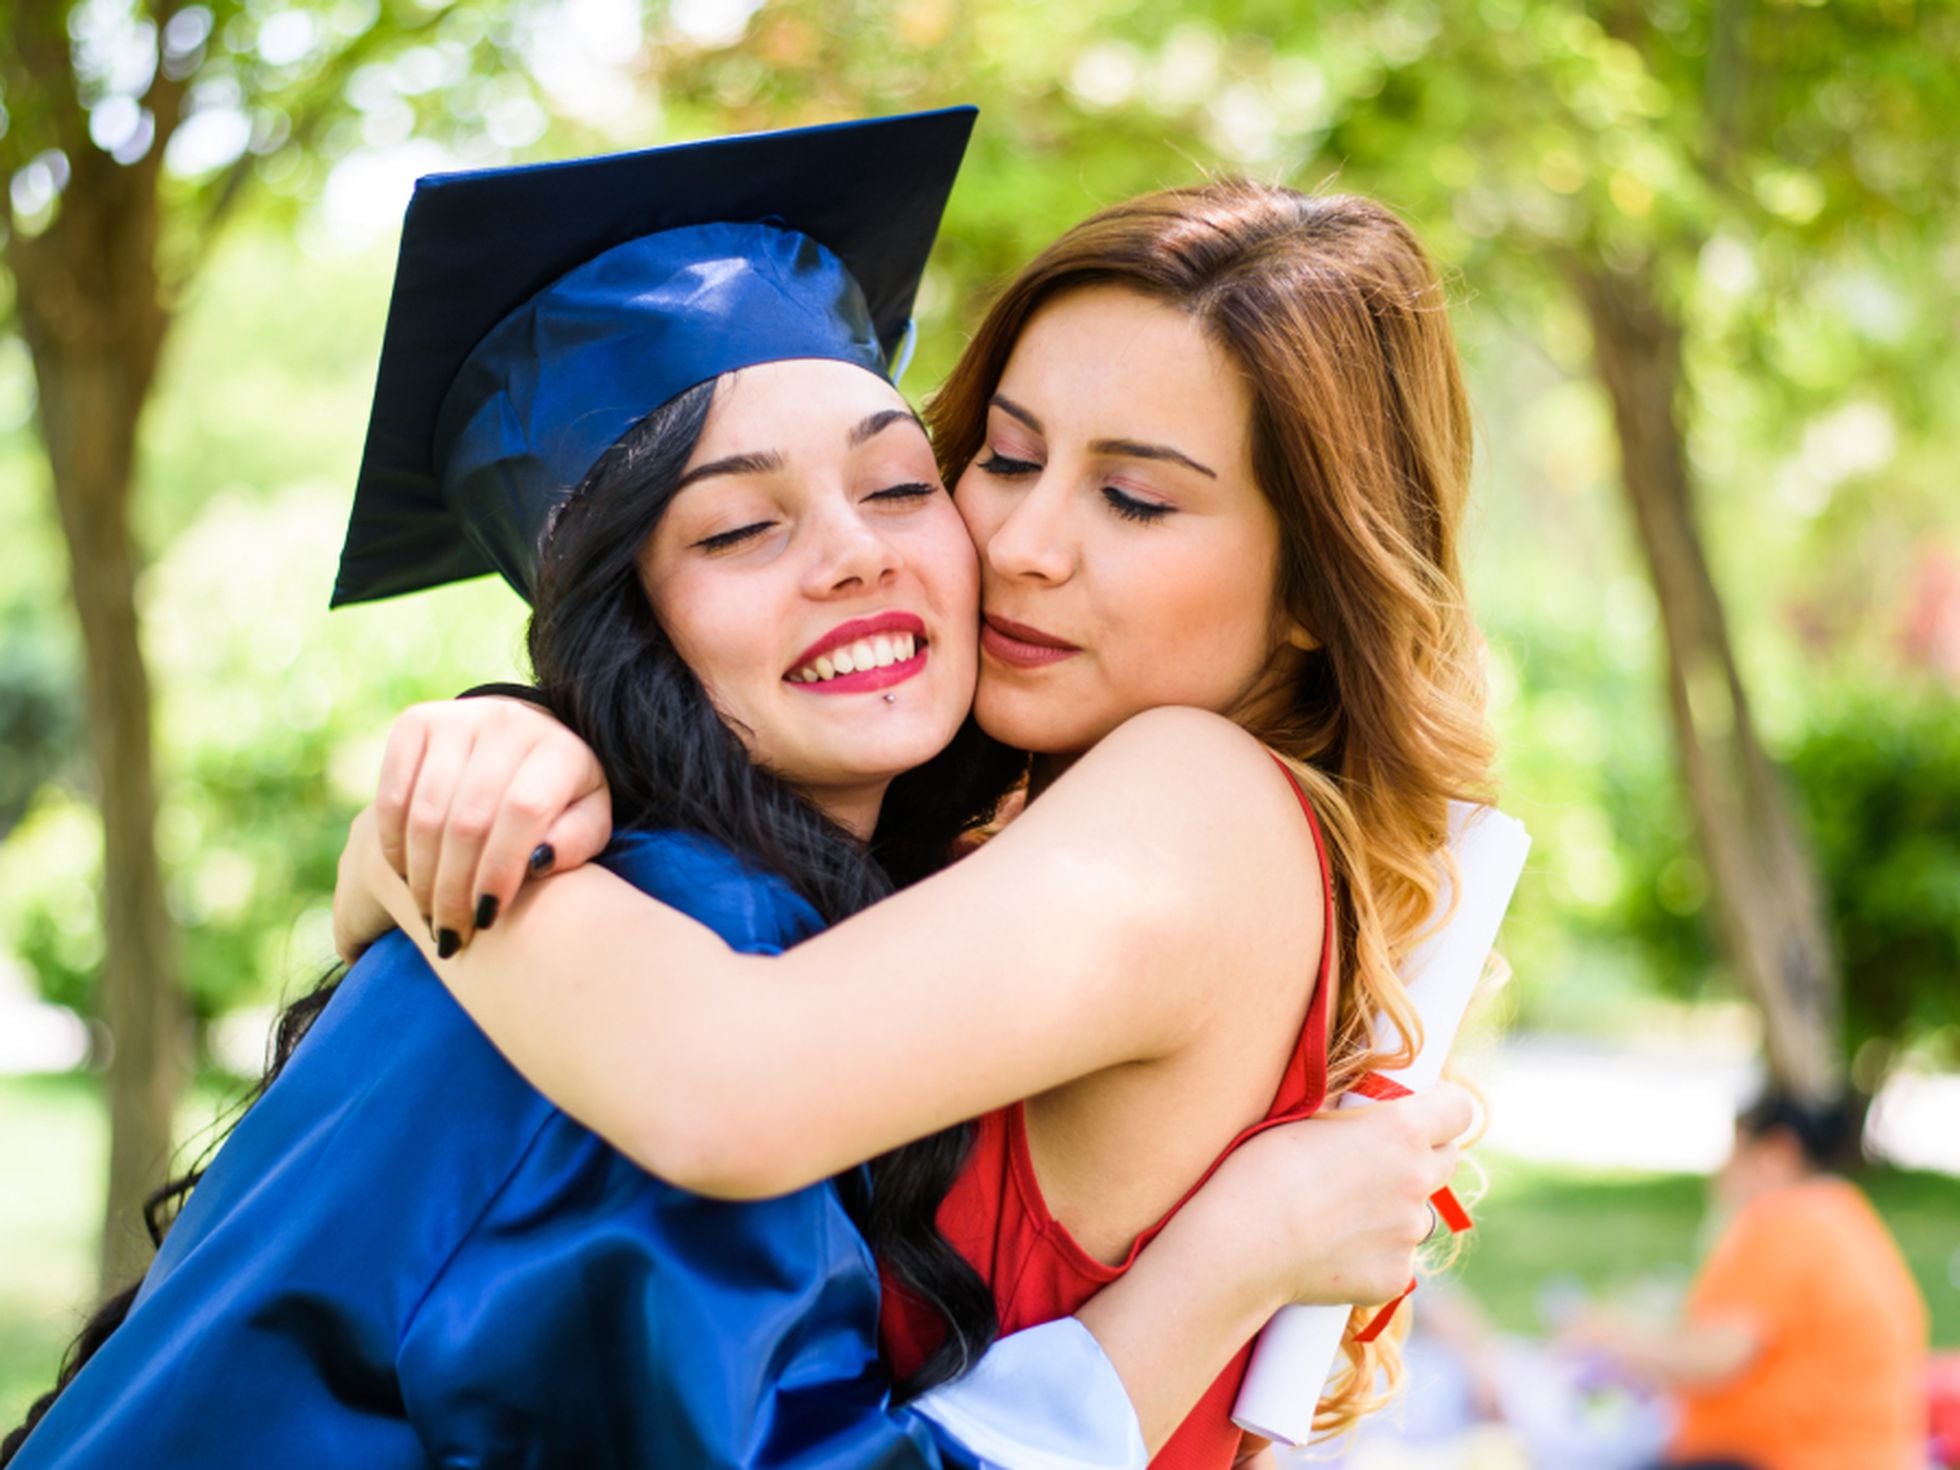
(753, 910)
(1181, 824)
(1200, 780)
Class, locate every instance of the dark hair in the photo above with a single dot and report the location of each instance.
(608, 670)
(1826, 1132)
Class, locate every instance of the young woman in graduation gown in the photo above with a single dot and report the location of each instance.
(1213, 449)
(405, 1254)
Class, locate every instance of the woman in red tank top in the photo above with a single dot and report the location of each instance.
(995, 1216)
(1212, 447)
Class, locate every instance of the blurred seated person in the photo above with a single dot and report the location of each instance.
(1803, 1342)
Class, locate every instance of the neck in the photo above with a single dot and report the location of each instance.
(854, 808)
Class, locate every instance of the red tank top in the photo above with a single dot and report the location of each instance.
(995, 1216)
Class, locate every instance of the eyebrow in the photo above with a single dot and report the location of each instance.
(872, 427)
(1126, 448)
(769, 463)
(772, 461)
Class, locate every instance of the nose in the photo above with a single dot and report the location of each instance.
(853, 555)
(1032, 540)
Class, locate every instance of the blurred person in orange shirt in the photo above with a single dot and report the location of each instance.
(1803, 1342)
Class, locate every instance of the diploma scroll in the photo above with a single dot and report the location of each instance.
(1295, 1353)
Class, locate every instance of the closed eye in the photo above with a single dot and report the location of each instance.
(912, 490)
(999, 464)
(727, 540)
(1131, 508)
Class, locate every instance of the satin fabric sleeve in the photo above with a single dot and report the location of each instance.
(654, 1328)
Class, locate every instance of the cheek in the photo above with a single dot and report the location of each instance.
(1197, 624)
(725, 634)
(980, 506)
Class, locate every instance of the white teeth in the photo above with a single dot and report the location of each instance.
(880, 652)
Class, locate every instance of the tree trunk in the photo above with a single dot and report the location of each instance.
(89, 310)
(1768, 900)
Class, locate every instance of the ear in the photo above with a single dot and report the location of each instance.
(1300, 638)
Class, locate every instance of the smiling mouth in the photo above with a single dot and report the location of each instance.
(861, 656)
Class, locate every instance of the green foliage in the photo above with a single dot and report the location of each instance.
(39, 723)
(1803, 225)
(1880, 777)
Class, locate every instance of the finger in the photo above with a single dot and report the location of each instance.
(401, 763)
(1444, 1163)
(542, 789)
(483, 793)
(581, 834)
(1446, 1112)
(428, 809)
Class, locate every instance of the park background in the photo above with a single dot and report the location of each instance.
(1704, 265)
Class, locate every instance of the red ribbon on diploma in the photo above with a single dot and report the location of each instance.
(1448, 1207)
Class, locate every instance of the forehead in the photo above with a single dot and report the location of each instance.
(1109, 362)
(804, 404)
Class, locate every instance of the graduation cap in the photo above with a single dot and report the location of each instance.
(539, 312)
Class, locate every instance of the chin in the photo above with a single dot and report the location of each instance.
(1037, 725)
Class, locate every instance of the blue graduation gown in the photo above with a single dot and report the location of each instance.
(405, 1255)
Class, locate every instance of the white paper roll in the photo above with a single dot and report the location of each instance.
(1295, 1354)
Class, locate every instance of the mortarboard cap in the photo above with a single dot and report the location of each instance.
(540, 311)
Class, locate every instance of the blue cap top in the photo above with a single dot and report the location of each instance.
(539, 312)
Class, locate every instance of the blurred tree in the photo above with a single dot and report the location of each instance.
(1612, 147)
(128, 135)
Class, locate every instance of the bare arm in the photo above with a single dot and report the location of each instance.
(1326, 1211)
(1101, 928)
(1692, 1354)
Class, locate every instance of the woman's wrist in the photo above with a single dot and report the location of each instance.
(1173, 1322)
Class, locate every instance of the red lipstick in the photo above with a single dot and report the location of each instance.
(872, 677)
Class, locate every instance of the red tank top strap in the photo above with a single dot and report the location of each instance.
(1309, 1066)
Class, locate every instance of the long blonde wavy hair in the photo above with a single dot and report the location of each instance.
(1361, 440)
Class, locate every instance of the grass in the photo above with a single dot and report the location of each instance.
(1540, 1230)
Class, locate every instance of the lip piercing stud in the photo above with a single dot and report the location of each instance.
(891, 699)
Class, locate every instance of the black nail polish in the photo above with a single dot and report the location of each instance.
(448, 941)
(486, 911)
(542, 857)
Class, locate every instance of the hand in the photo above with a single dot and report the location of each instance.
(359, 915)
(1331, 1210)
(473, 793)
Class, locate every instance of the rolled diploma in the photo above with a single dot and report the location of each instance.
(1295, 1353)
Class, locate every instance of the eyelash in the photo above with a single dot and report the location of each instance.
(1129, 507)
(1145, 512)
(727, 540)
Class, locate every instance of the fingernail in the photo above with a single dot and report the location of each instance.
(448, 941)
(486, 911)
(542, 857)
